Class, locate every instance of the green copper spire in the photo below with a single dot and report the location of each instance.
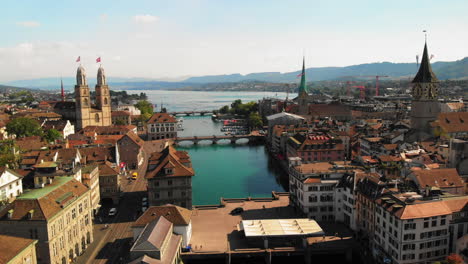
(302, 85)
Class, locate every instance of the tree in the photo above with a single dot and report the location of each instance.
(145, 107)
(24, 127)
(224, 109)
(255, 121)
(52, 135)
(9, 154)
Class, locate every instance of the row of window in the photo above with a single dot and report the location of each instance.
(314, 209)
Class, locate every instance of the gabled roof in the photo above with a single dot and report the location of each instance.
(106, 170)
(11, 246)
(45, 202)
(169, 155)
(57, 125)
(453, 122)
(173, 213)
(153, 236)
(425, 73)
(162, 118)
(284, 114)
(134, 138)
(441, 178)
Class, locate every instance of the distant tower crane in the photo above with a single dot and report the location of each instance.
(362, 89)
(377, 83)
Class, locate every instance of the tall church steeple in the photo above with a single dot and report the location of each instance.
(303, 92)
(103, 101)
(82, 99)
(425, 106)
(425, 82)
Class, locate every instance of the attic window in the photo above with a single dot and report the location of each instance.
(168, 170)
(447, 121)
(462, 121)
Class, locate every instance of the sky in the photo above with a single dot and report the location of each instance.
(174, 39)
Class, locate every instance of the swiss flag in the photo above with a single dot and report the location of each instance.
(78, 59)
(98, 59)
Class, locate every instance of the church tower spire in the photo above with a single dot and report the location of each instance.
(425, 106)
(82, 99)
(303, 92)
(103, 101)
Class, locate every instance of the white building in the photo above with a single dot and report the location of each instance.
(313, 189)
(180, 217)
(409, 229)
(11, 185)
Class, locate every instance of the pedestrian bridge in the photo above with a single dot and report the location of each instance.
(215, 139)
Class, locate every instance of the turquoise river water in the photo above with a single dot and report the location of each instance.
(223, 170)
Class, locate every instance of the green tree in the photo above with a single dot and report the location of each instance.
(224, 109)
(254, 120)
(9, 154)
(146, 109)
(24, 127)
(52, 135)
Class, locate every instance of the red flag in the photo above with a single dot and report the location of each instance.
(98, 59)
(299, 75)
(78, 59)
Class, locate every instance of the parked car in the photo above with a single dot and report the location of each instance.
(113, 211)
(237, 210)
(144, 203)
(144, 199)
(134, 175)
(144, 208)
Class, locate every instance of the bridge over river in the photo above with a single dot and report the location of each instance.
(189, 113)
(214, 138)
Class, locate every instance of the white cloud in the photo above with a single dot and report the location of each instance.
(116, 58)
(29, 24)
(145, 19)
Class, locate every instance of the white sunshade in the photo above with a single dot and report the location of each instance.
(281, 227)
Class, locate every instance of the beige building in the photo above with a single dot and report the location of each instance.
(59, 216)
(17, 250)
(86, 114)
(169, 178)
(161, 126)
(90, 178)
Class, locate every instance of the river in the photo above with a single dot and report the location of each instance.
(223, 170)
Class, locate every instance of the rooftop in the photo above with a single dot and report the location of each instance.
(281, 227)
(40, 192)
(11, 246)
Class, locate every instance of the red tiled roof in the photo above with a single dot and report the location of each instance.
(11, 246)
(442, 178)
(169, 155)
(162, 118)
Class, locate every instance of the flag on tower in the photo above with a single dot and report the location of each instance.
(299, 75)
(98, 59)
(78, 59)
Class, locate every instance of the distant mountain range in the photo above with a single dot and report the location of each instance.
(444, 70)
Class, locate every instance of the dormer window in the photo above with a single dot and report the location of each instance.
(168, 171)
(10, 213)
(30, 214)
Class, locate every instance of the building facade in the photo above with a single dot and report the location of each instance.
(11, 185)
(161, 126)
(169, 178)
(90, 178)
(58, 215)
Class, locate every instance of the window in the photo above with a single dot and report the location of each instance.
(442, 222)
(410, 226)
(434, 222)
(80, 208)
(169, 193)
(169, 182)
(73, 213)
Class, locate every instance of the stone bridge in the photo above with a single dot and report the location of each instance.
(214, 139)
(189, 113)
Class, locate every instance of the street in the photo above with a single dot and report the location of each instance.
(112, 243)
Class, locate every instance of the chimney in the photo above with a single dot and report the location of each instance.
(10, 213)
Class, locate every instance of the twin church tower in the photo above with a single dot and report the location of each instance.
(87, 114)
